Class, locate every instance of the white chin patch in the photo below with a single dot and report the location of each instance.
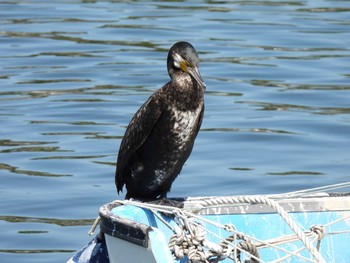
(177, 60)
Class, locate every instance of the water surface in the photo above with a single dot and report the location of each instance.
(73, 73)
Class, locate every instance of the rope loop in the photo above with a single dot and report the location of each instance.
(229, 228)
(251, 249)
(319, 231)
(189, 239)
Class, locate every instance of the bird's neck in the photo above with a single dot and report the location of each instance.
(187, 93)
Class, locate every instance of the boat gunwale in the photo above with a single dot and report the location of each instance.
(318, 202)
(123, 228)
(137, 233)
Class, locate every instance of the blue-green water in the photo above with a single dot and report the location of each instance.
(72, 74)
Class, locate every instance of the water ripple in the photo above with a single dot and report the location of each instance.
(73, 73)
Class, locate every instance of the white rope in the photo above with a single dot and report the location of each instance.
(214, 247)
(186, 214)
(219, 201)
(279, 209)
(259, 243)
(291, 254)
(180, 213)
(337, 220)
(317, 189)
(93, 227)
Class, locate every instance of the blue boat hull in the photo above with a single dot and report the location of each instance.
(133, 233)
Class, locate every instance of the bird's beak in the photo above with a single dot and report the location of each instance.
(194, 72)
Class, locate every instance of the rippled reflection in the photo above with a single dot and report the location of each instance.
(72, 75)
(34, 251)
(16, 170)
(55, 221)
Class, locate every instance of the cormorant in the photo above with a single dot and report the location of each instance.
(160, 136)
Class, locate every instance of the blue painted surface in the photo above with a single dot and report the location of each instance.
(334, 248)
(94, 252)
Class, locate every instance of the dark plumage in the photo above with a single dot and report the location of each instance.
(160, 136)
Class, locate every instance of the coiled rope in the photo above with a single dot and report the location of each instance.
(189, 238)
(273, 204)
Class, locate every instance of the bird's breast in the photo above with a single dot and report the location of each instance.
(184, 124)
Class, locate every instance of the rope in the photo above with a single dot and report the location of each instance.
(189, 237)
(183, 243)
(247, 246)
(230, 228)
(326, 188)
(273, 204)
(185, 215)
(93, 227)
(197, 248)
(320, 232)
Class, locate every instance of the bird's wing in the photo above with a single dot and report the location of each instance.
(136, 134)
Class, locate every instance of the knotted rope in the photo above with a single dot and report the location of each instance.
(190, 240)
(273, 204)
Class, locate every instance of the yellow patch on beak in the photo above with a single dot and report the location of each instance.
(184, 65)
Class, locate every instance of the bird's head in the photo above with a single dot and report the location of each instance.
(183, 57)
